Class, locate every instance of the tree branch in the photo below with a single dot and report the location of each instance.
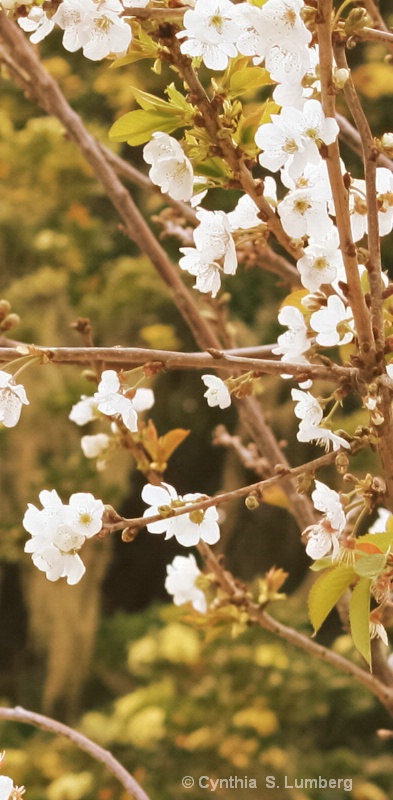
(20, 714)
(370, 154)
(219, 360)
(339, 191)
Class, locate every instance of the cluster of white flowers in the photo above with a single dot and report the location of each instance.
(188, 529)
(216, 30)
(181, 579)
(111, 400)
(171, 170)
(58, 532)
(12, 398)
(324, 537)
(214, 251)
(96, 26)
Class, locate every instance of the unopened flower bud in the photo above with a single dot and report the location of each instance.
(313, 302)
(5, 308)
(129, 534)
(342, 463)
(340, 77)
(252, 502)
(387, 144)
(11, 321)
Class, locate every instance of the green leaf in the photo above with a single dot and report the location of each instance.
(177, 99)
(151, 102)
(326, 591)
(249, 78)
(137, 127)
(383, 540)
(369, 566)
(359, 615)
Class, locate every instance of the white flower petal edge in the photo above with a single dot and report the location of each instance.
(181, 583)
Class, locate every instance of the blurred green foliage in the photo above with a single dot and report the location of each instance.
(167, 704)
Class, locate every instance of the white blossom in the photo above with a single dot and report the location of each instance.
(332, 323)
(95, 446)
(310, 413)
(96, 27)
(12, 398)
(214, 252)
(181, 583)
(321, 262)
(171, 170)
(188, 529)
(6, 787)
(245, 213)
(84, 411)
(58, 532)
(301, 214)
(294, 341)
(324, 537)
(206, 271)
(37, 23)
(211, 32)
(217, 393)
(111, 400)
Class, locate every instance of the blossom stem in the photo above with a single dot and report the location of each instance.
(22, 363)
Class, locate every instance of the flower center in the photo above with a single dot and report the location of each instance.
(301, 206)
(320, 263)
(217, 21)
(290, 146)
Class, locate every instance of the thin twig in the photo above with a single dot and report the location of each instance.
(20, 714)
(350, 136)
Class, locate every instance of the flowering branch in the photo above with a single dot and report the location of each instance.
(20, 714)
(161, 360)
(254, 489)
(29, 73)
(370, 155)
(233, 155)
(340, 193)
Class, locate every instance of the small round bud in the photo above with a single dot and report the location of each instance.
(5, 308)
(340, 77)
(342, 463)
(252, 502)
(387, 144)
(129, 534)
(11, 321)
